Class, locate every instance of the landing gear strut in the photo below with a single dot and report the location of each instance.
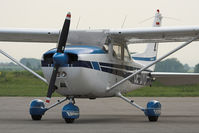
(152, 111)
(70, 112)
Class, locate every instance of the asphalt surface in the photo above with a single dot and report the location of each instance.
(111, 115)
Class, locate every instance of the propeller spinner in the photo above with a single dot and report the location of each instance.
(59, 58)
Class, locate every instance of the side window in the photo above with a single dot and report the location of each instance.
(126, 55)
(117, 51)
(121, 52)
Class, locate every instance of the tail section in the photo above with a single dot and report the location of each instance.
(150, 53)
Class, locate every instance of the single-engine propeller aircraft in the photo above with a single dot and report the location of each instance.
(97, 63)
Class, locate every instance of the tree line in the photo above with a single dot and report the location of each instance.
(32, 63)
(174, 65)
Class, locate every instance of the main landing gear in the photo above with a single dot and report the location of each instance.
(70, 112)
(152, 111)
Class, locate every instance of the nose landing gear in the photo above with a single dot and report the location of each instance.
(70, 112)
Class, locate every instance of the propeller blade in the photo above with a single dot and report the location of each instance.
(51, 87)
(60, 49)
(64, 34)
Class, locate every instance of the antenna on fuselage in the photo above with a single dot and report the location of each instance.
(78, 23)
(124, 21)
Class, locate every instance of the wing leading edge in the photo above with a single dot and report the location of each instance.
(99, 37)
(154, 34)
(84, 37)
(29, 35)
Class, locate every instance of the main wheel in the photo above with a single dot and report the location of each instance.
(36, 117)
(69, 120)
(153, 118)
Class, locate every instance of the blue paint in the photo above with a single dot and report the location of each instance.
(60, 59)
(145, 58)
(79, 49)
(153, 108)
(37, 107)
(70, 111)
(96, 65)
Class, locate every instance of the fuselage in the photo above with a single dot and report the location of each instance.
(90, 71)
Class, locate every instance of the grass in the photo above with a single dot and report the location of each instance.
(158, 90)
(21, 83)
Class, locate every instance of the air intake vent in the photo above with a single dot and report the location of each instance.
(62, 84)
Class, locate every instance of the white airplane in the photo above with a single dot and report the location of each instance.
(97, 63)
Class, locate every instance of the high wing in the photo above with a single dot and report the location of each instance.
(89, 37)
(167, 78)
(98, 37)
(29, 35)
(154, 34)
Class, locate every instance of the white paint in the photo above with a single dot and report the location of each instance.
(90, 83)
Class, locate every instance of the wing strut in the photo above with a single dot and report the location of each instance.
(22, 65)
(144, 68)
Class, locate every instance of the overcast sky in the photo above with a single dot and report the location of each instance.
(96, 14)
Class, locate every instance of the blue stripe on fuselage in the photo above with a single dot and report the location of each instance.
(115, 69)
(145, 58)
(95, 65)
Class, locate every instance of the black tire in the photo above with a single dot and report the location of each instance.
(153, 118)
(36, 117)
(69, 120)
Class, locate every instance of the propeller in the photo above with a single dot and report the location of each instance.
(59, 58)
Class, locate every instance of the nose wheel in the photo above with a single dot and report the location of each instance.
(153, 118)
(69, 120)
(70, 111)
